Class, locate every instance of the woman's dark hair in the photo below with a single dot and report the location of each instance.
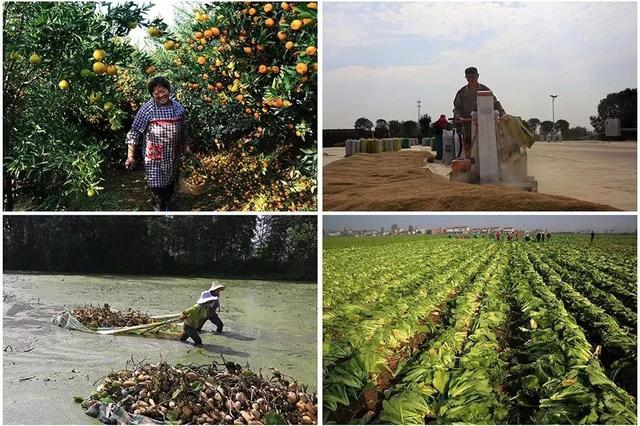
(158, 81)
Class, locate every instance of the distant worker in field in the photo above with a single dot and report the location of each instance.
(214, 307)
(548, 235)
(195, 316)
(466, 101)
(593, 235)
(441, 126)
(159, 125)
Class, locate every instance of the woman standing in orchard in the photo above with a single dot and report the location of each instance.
(160, 126)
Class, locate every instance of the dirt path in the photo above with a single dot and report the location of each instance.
(596, 172)
(126, 190)
(399, 181)
(267, 324)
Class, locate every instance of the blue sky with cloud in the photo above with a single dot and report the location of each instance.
(379, 58)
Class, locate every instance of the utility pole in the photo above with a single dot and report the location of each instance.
(553, 111)
(419, 133)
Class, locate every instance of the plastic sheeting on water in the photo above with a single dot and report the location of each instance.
(113, 413)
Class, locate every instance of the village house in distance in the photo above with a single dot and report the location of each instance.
(463, 230)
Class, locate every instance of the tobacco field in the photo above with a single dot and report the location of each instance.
(442, 330)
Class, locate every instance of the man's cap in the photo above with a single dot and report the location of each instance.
(216, 285)
(471, 71)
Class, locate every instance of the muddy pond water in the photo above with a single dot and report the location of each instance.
(266, 323)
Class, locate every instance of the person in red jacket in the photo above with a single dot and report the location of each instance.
(441, 126)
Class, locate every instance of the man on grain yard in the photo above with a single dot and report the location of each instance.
(466, 101)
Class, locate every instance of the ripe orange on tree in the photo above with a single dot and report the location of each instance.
(282, 36)
(262, 69)
(63, 85)
(311, 50)
(99, 54)
(285, 6)
(99, 68)
(302, 68)
(296, 24)
(269, 22)
(268, 7)
(202, 60)
(289, 45)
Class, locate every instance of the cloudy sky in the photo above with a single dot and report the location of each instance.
(380, 58)
(554, 223)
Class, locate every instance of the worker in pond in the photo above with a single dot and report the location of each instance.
(194, 317)
(214, 307)
(465, 102)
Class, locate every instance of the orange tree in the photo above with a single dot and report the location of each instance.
(70, 86)
(247, 74)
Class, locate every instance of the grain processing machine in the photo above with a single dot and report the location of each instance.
(497, 151)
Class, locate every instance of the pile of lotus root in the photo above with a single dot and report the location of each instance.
(217, 393)
(99, 317)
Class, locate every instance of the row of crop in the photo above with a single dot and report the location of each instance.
(475, 394)
(620, 289)
(355, 359)
(612, 255)
(616, 262)
(618, 347)
(558, 379)
(379, 291)
(427, 380)
(364, 277)
(358, 324)
(603, 299)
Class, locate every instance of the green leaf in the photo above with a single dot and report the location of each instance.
(172, 415)
(441, 380)
(273, 418)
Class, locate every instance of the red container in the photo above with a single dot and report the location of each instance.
(461, 165)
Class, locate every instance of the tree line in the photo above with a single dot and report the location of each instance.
(282, 247)
(396, 128)
(622, 105)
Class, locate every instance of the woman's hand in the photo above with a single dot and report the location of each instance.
(129, 163)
